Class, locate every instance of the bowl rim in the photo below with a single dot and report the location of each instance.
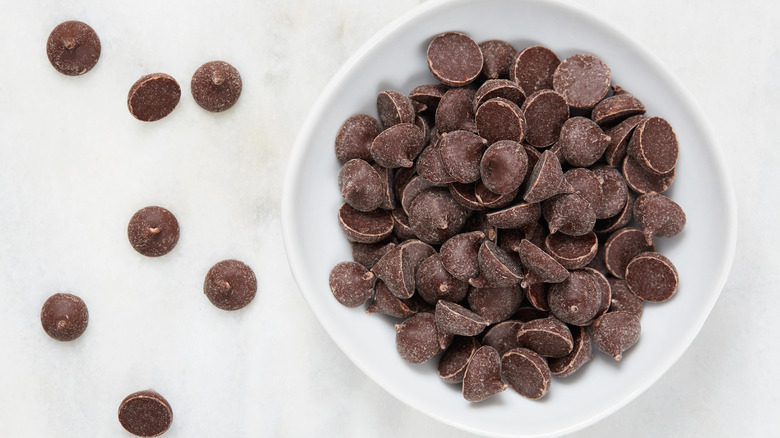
(293, 172)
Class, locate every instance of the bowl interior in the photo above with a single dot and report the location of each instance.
(395, 59)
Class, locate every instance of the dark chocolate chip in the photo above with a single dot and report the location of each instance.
(398, 146)
(569, 213)
(540, 267)
(654, 146)
(367, 254)
(430, 167)
(461, 152)
(64, 316)
(519, 216)
(498, 56)
(388, 304)
(526, 372)
(615, 332)
(435, 216)
(355, 137)
(231, 284)
(459, 254)
(620, 135)
(536, 295)
(456, 111)
(623, 299)
(576, 300)
(361, 186)
(621, 247)
(503, 336)
(452, 364)
(546, 179)
(394, 108)
(428, 94)
(503, 166)
(216, 86)
(351, 283)
(456, 319)
(614, 191)
(581, 354)
(617, 108)
(397, 271)
(454, 58)
(153, 97)
(533, 68)
(582, 141)
(642, 181)
(416, 338)
(500, 119)
(153, 231)
(495, 304)
(145, 413)
(483, 375)
(572, 252)
(73, 48)
(365, 226)
(493, 88)
(496, 267)
(434, 283)
(548, 337)
(658, 216)
(545, 113)
(652, 277)
(582, 79)
(586, 184)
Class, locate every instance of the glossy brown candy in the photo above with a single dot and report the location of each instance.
(398, 146)
(498, 56)
(145, 413)
(582, 79)
(621, 247)
(503, 336)
(652, 277)
(216, 86)
(642, 181)
(615, 332)
(518, 216)
(153, 231)
(367, 254)
(576, 300)
(572, 252)
(456, 111)
(454, 58)
(546, 179)
(461, 152)
(548, 337)
(526, 372)
(386, 303)
(232, 285)
(616, 108)
(533, 68)
(623, 299)
(582, 141)
(495, 304)
(456, 319)
(64, 316)
(503, 166)
(459, 254)
(496, 267)
(394, 108)
(581, 353)
(483, 375)
(658, 216)
(434, 283)
(654, 146)
(416, 338)
(351, 283)
(569, 214)
(365, 227)
(500, 119)
(435, 216)
(539, 266)
(361, 186)
(503, 88)
(452, 364)
(545, 112)
(73, 48)
(153, 97)
(355, 137)
(620, 135)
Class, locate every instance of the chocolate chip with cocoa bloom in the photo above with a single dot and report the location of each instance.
(495, 304)
(614, 191)
(435, 216)
(145, 413)
(615, 332)
(434, 283)
(452, 364)
(351, 283)
(582, 141)
(652, 277)
(153, 97)
(386, 303)
(586, 184)
(621, 247)
(548, 337)
(483, 375)
(416, 338)
(365, 226)
(654, 145)
(456, 319)
(503, 166)
(398, 146)
(355, 137)
(642, 181)
(459, 254)
(64, 316)
(545, 113)
(526, 372)
(539, 266)
(498, 56)
(620, 135)
(575, 300)
(367, 254)
(216, 86)
(572, 252)
(623, 299)
(456, 111)
(582, 79)
(428, 94)
(658, 216)
(361, 186)
(232, 285)
(499, 88)
(617, 108)
(73, 48)
(461, 152)
(496, 267)
(394, 108)
(533, 68)
(454, 58)
(396, 270)
(546, 179)
(500, 119)
(503, 336)
(153, 231)
(581, 353)
(569, 213)
(519, 216)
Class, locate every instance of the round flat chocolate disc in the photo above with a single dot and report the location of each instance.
(230, 285)
(216, 86)
(145, 413)
(153, 97)
(73, 48)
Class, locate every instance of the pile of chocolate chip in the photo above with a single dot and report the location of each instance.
(507, 214)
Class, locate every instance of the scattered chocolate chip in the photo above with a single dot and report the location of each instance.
(500, 119)
(620, 135)
(526, 372)
(519, 216)
(614, 191)
(64, 316)
(489, 199)
(398, 146)
(434, 283)
(503, 166)
(454, 58)
(547, 337)
(216, 86)
(456, 319)
(456, 111)
(572, 252)
(483, 375)
(396, 270)
(540, 267)
(569, 213)
(430, 166)
(642, 181)
(460, 153)
(361, 186)
(145, 413)
(536, 295)
(617, 108)
(231, 285)
(495, 304)
(652, 277)
(503, 336)
(623, 299)
(153, 97)
(459, 254)
(355, 137)
(367, 254)
(351, 283)
(503, 88)
(153, 231)
(386, 303)
(73, 48)
(615, 332)
(496, 267)
(582, 141)
(546, 179)
(620, 220)
(605, 290)
(428, 94)
(435, 216)
(414, 187)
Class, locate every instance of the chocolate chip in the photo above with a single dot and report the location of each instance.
(394, 108)
(547, 337)
(454, 58)
(654, 146)
(495, 304)
(623, 299)
(365, 226)
(488, 199)
(586, 184)
(360, 184)
(64, 316)
(500, 119)
(351, 283)
(386, 178)
(536, 295)
(435, 216)
(652, 277)
(456, 319)
(519, 216)
(546, 179)
(526, 372)
(572, 252)
(416, 338)
(621, 247)
(430, 166)
(401, 228)
(582, 79)
(397, 146)
(620, 220)
(456, 111)
(153, 97)
(642, 181)
(452, 364)
(386, 303)
(434, 283)
(503, 336)
(533, 68)
(614, 191)
(483, 375)
(397, 271)
(216, 86)
(465, 195)
(145, 413)
(460, 153)
(73, 48)
(459, 254)
(503, 166)
(582, 141)
(530, 313)
(428, 94)
(615, 332)
(498, 56)
(414, 187)
(581, 353)
(496, 267)
(367, 254)
(620, 135)
(355, 137)
(616, 108)
(540, 267)
(153, 231)
(545, 113)
(658, 216)
(569, 213)
(503, 88)
(605, 290)
(576, 300)
(231, 284)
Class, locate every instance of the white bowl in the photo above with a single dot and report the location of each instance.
(395, 59)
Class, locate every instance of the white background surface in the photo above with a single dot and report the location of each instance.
(74, 166)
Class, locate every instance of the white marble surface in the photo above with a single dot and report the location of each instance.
(74, 166)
